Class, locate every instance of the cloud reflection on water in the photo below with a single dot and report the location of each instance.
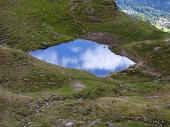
(85, 55)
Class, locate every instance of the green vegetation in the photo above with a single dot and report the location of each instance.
(153, 55)
(134, 124)
(37, 94)
(30, 24)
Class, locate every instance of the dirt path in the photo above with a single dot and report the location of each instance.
(78, 86)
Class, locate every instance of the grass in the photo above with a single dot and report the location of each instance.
(133, 124)
(37, 24)
(155, 60)
(66, 90)
(21, 70)
(143, 87)
(23, 73)
(101, 95)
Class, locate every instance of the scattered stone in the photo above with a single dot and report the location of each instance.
(168, 106)
(29, 123)
(44, 43)
(47, 103)
(66, 123)
(89, 11)
(69, 124)
(94, 122)
(157, 49)
(110, 124)
(51, 83)
(80, 99)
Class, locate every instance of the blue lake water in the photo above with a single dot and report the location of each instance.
(95, 58)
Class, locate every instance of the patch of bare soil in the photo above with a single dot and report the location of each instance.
(104, 38)
(78, 86)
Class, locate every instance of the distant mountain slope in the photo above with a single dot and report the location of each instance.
(149, 10)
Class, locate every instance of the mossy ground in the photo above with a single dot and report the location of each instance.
(36, 94)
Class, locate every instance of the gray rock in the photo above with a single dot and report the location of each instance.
(157, 49)
(66, 123)
(110, 124)
(44, 43)
(94, 122)
(69, 124)
(168, 106)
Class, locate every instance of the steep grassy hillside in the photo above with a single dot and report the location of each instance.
(30, 24)
(37, 94)
(21, 72)
(152, 55)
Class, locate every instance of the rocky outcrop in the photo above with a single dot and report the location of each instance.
(93, 11)
(103, 37)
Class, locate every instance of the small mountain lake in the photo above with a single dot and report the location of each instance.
(87, 55)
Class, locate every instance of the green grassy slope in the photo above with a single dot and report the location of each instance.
(22, 71)
(29, 25)
(37, 94)
(153, 56)
(32, 24)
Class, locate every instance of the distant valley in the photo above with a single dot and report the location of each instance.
(155, 12)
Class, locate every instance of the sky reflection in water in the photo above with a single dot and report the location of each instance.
(85, 55)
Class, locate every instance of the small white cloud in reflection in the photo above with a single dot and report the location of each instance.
(75, 49)
(103, 59)
(66, 61)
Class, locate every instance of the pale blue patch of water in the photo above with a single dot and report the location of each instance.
(95, 58)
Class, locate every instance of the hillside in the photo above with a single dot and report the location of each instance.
(37, 94)
(155, 12)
